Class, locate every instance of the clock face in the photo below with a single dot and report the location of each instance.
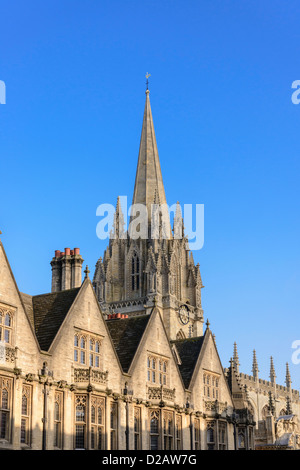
(184, 314)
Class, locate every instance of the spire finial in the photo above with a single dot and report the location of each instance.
(147, 82)
(207, 324)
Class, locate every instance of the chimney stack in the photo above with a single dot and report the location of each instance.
(66, 269)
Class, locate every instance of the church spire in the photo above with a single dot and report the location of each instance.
(148, 181)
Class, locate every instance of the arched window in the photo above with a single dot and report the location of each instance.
(137, 428)
(168, 430)
(265, 412)
(154, 430)
(97, 423)
(135, 272)
(58, 420)
(210, 438)
(80, 421)
(25, 414)
(241, 440)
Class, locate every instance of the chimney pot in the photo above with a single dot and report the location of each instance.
(57, 253)
(77, 251)
(67, 251)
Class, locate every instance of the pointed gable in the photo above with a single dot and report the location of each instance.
(126, 335)
(49, 311)
(10, 294)
(188, 350)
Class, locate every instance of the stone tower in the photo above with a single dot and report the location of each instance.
(156, 267)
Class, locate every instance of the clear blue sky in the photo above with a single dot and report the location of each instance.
(227, 133)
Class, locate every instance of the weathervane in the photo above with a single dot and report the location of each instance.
(147, 76)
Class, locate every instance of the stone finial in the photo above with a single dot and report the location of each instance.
(87, 272)
(207, 324)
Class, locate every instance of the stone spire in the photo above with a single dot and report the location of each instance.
(255, 366)
(272, 372)
(148, 181)
(236, 361)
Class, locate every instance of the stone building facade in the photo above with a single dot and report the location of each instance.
(123, 361)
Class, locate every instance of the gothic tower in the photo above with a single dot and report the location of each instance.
(150, 264)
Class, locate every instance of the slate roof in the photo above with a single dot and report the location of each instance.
(126, 335)
(188, 350)
(47, 312)
(27, 301)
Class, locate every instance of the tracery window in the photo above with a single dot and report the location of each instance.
(58, 419)
(6, 325)
(222, 428)
(210, 436)
(135, 272)
(197, 436)
(5, 406)
(178, 432)
(97, 423)
(154, 430)
(113, 426)
(87, 350)
(265, 412)
(25, 414)
(137, 428)
(241, 440)
(80, 421)
(168, 430)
